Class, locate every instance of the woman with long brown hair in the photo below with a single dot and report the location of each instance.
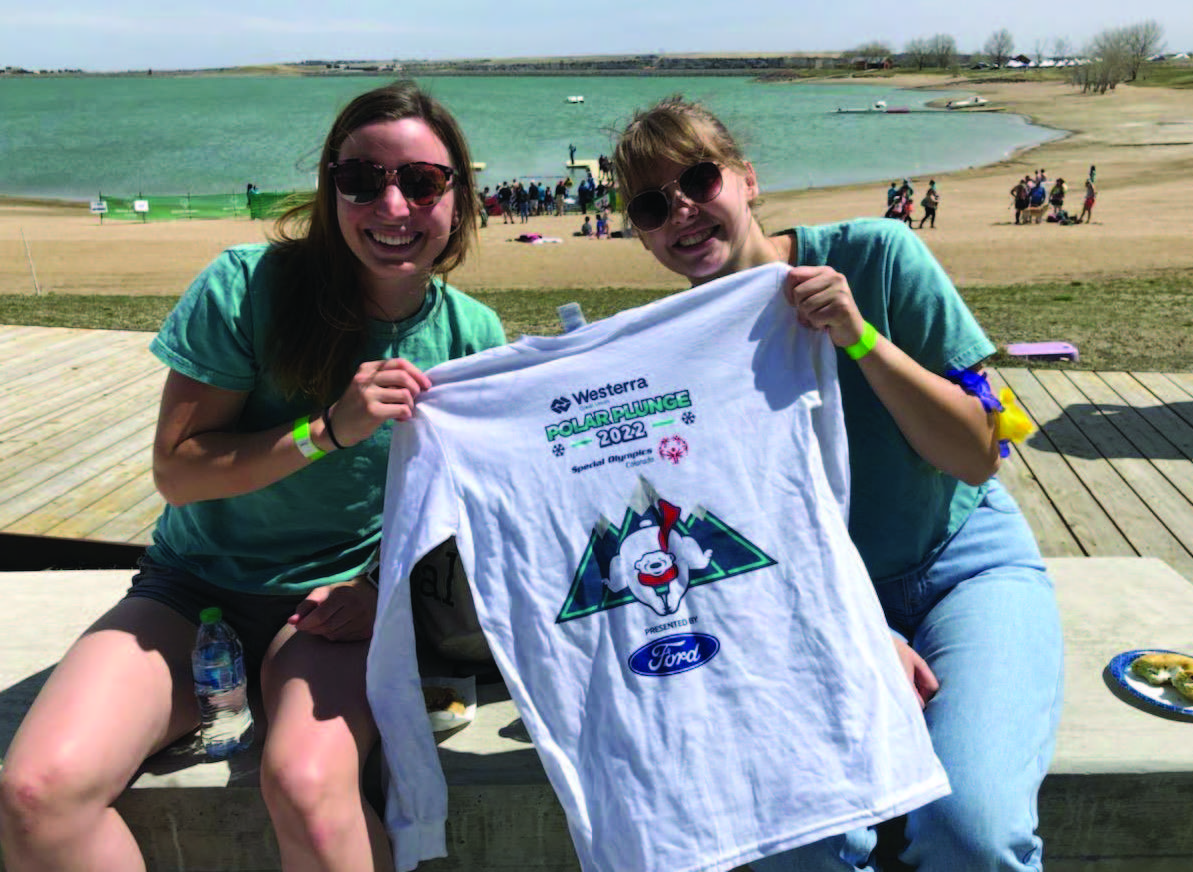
(289, 362)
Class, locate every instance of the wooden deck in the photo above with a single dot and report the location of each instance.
(77, 414)
(1109, 473)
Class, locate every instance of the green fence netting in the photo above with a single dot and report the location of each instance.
(263, 204)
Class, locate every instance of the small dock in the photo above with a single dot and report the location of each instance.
(590, 165)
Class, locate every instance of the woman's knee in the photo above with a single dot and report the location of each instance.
(305, 783)
(976, 830)
(310, 802)
(38, 793)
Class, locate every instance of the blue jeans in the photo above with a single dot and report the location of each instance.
(983, 614)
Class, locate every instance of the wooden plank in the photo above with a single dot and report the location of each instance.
(17, 340)
(1128, 484)
(58, 414)
(80, 366)
(1016, 475)
(135, 524)
(1051, 531)
(1156, 470)
(1062, 454)
(37, 355)
(1148, 405)
(51, 449)
(86, 459)
(11, 333)
(1184, 380)
(123, 369)
(61, 474)
(1175, 398)
(109, 508)
(80, 501)
(146, 534)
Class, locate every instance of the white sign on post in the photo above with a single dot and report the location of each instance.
(99, 207)
(140, 206)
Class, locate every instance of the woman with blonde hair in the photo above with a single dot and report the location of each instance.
(970, 606)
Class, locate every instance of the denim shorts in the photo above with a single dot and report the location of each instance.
(256, 618)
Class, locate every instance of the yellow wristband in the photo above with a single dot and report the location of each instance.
(865, 344)
(302, 438)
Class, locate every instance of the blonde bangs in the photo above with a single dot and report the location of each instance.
(674, 131)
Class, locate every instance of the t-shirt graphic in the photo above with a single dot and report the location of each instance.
(654, 556)
(651, 513)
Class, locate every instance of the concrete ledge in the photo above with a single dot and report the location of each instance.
(1114, 800)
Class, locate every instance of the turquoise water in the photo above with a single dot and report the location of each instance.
(73, 138)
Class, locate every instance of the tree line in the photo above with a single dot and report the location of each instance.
(1115, 55)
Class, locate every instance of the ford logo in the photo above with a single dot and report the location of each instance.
(674, 654)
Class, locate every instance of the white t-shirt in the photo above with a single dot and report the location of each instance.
(651, 511)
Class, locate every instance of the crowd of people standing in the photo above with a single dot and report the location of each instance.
(900, 205)
(517, 203)
(1035, 199)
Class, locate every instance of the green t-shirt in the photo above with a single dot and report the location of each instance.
(901, 508)
(322, 523)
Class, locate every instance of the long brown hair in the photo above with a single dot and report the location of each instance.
(320, 321)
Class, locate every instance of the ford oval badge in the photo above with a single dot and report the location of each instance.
(674, 654)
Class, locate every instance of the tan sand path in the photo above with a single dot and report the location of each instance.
(1141, 140)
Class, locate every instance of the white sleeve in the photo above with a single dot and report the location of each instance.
(420, 512)
(828, 419)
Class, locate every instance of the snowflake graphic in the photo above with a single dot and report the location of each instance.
(673, 448)
(558, 449)
(689, 418)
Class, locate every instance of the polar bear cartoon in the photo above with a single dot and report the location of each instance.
(655, 561)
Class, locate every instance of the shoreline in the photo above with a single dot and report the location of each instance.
(1140, 139)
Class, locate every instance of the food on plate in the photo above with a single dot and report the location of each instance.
(1182, 680)
(1159, 668)
(443, 699)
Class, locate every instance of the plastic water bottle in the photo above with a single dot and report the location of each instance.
(571, 316)
(217, 664)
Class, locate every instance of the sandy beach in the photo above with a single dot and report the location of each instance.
(1140, 139)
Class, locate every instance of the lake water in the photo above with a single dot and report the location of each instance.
(74, 138)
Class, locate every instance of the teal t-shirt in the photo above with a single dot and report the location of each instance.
(322, 523)
(901, 508)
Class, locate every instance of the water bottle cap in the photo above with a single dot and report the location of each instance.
(211, 615)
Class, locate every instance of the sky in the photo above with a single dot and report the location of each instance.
(112, 35)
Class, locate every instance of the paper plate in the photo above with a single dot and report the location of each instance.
(1163, 696)
(465, 688)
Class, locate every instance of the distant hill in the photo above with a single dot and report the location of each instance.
(739, 63)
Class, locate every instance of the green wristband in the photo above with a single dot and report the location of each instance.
(302, 438)
(865, 344)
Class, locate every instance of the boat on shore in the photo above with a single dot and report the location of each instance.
(878, 106)
(974, 102)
